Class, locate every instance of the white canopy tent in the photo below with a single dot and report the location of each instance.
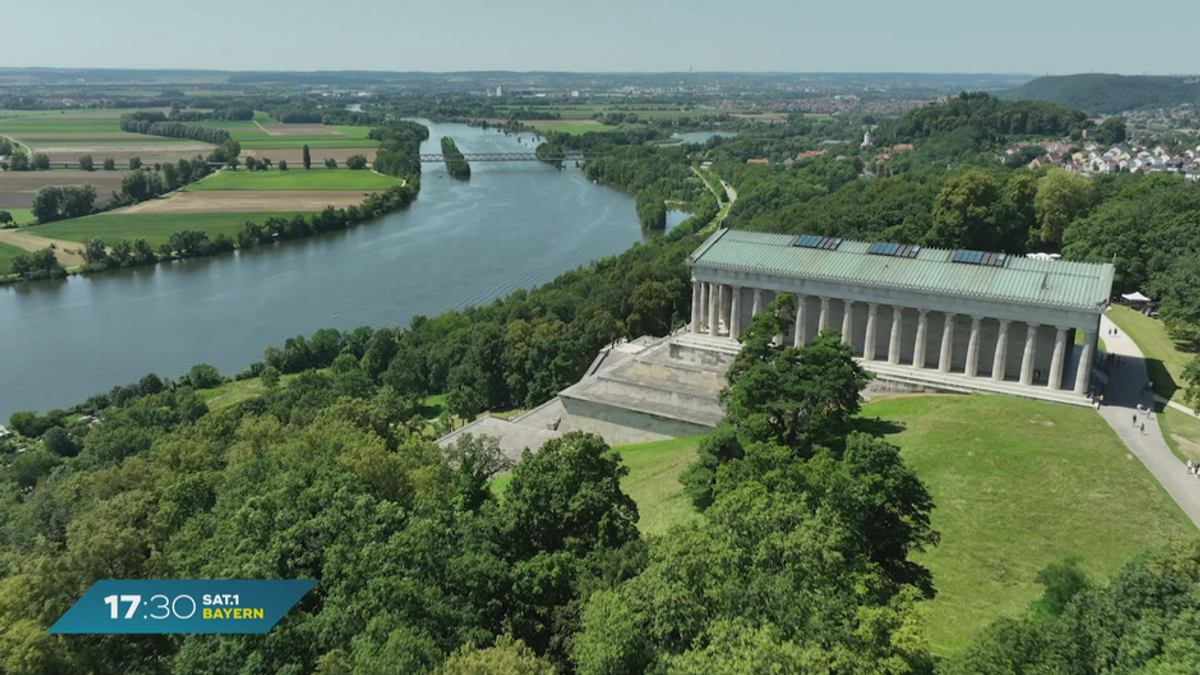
(1135, 297)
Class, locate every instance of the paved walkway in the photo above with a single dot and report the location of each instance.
(1121, 396)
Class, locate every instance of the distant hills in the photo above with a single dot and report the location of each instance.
(1100, 93)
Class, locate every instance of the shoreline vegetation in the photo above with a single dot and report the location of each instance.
(456, 164)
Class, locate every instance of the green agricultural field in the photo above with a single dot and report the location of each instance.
(573, 129)
(268, 142)
(153, 227)
(7, 253)
(1165, 361)
(262, 117)
(21, 216)
(296, 178)
(226, 124)
(28, 126)
(1018, 485)
(351, 131)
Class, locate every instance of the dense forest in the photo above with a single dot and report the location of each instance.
(1110, 94)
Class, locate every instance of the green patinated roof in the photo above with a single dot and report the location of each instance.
(1040, 282)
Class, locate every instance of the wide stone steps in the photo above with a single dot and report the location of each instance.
(959, 383)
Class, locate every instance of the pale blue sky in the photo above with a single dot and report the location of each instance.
(1029, 36)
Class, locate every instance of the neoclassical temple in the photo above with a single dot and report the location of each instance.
(954, 320)
(920, 319)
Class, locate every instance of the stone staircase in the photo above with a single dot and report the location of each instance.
(925, 379)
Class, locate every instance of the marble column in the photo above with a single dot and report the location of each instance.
(696, 304)
(1060, 352)
(894, 344)
(823, 321)
(1030, 353)
(757, 308)
(798, 339)
(713, 309)
(947, 343)
(999, 362)
(922, 332)
(735, 313)
(1084, 375)
(703, 306)
(847, 321)
(869, 343)
(723, 307)
(973, 347)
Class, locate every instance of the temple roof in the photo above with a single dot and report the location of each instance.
(1019, 279)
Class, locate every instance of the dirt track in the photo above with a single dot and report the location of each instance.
(248, 201)
(65, 251)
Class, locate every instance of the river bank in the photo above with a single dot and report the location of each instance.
(513, 225)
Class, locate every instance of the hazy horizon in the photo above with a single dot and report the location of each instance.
(622, 36)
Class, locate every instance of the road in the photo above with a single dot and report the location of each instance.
(1121, 397)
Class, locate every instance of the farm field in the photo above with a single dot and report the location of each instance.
(296, 178)
(154, 228)
(1017, 485)
(65, 135)
(294, 155)
(265, 142)
(573, 129)
(17, 188)
(246, 201)
(20, 216)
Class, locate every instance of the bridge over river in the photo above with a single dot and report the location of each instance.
(509, 157)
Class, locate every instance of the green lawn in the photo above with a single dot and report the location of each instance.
(7, 253)
(236, 391)
(1181, 432)
(1165, 361)
(267, 142)
(296, 178)
(154, 228)
(573, 129)
(1018, 485)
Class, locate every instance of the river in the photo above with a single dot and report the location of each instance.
(512, 225)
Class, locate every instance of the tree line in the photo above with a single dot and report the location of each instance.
(156, 124)
(456, 163)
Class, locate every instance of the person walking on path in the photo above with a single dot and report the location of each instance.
(1123, 391)
(1135, 419)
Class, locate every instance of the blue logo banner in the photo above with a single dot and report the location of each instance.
(114, 606)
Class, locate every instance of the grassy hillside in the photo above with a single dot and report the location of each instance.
(1018, 485)
(1104, 93)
